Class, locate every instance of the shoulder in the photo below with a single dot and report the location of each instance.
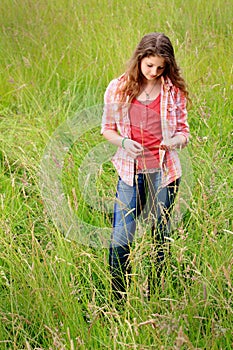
(169, 86)
(113, 86)
(176, 94)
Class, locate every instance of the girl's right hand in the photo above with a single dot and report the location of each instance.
(133, 148)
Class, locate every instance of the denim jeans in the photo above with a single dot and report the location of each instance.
(145, 197)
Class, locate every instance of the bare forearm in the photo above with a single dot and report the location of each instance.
(133, 148)
(113, 137)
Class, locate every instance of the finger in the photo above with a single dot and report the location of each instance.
(138, 146)
(132, 155)
(138, 149)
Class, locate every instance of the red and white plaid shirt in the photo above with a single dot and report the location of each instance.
(173, 115)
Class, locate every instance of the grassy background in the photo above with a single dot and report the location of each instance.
(57, 58)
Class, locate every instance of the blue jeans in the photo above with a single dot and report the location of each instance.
(145, 196)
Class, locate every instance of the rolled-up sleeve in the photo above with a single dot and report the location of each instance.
(182, 126)
(108, 118)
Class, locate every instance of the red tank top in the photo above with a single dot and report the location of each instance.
(146, 129)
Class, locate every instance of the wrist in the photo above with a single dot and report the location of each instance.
(123, 142)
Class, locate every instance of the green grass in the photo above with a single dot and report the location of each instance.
(57, 58)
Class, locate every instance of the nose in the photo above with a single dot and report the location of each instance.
(154, 72)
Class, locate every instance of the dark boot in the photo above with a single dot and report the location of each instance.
(119, 269)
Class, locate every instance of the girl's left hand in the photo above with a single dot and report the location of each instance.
(177, 141)
(168, 145)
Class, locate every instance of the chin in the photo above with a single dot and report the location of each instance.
(154, 78)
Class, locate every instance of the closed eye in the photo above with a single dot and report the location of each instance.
(151, 65)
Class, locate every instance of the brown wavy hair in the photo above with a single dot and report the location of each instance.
(153, 44)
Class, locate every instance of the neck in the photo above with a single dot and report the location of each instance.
(149, 90)
(147, 84)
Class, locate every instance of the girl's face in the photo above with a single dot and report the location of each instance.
(152, 67)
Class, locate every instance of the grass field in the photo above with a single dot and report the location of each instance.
(57, 58)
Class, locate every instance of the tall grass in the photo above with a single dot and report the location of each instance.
(57, 58)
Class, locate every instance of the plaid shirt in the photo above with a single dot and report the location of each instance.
(173, 115)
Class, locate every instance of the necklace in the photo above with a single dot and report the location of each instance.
(148, 93)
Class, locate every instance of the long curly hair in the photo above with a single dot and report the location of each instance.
(153, 44)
